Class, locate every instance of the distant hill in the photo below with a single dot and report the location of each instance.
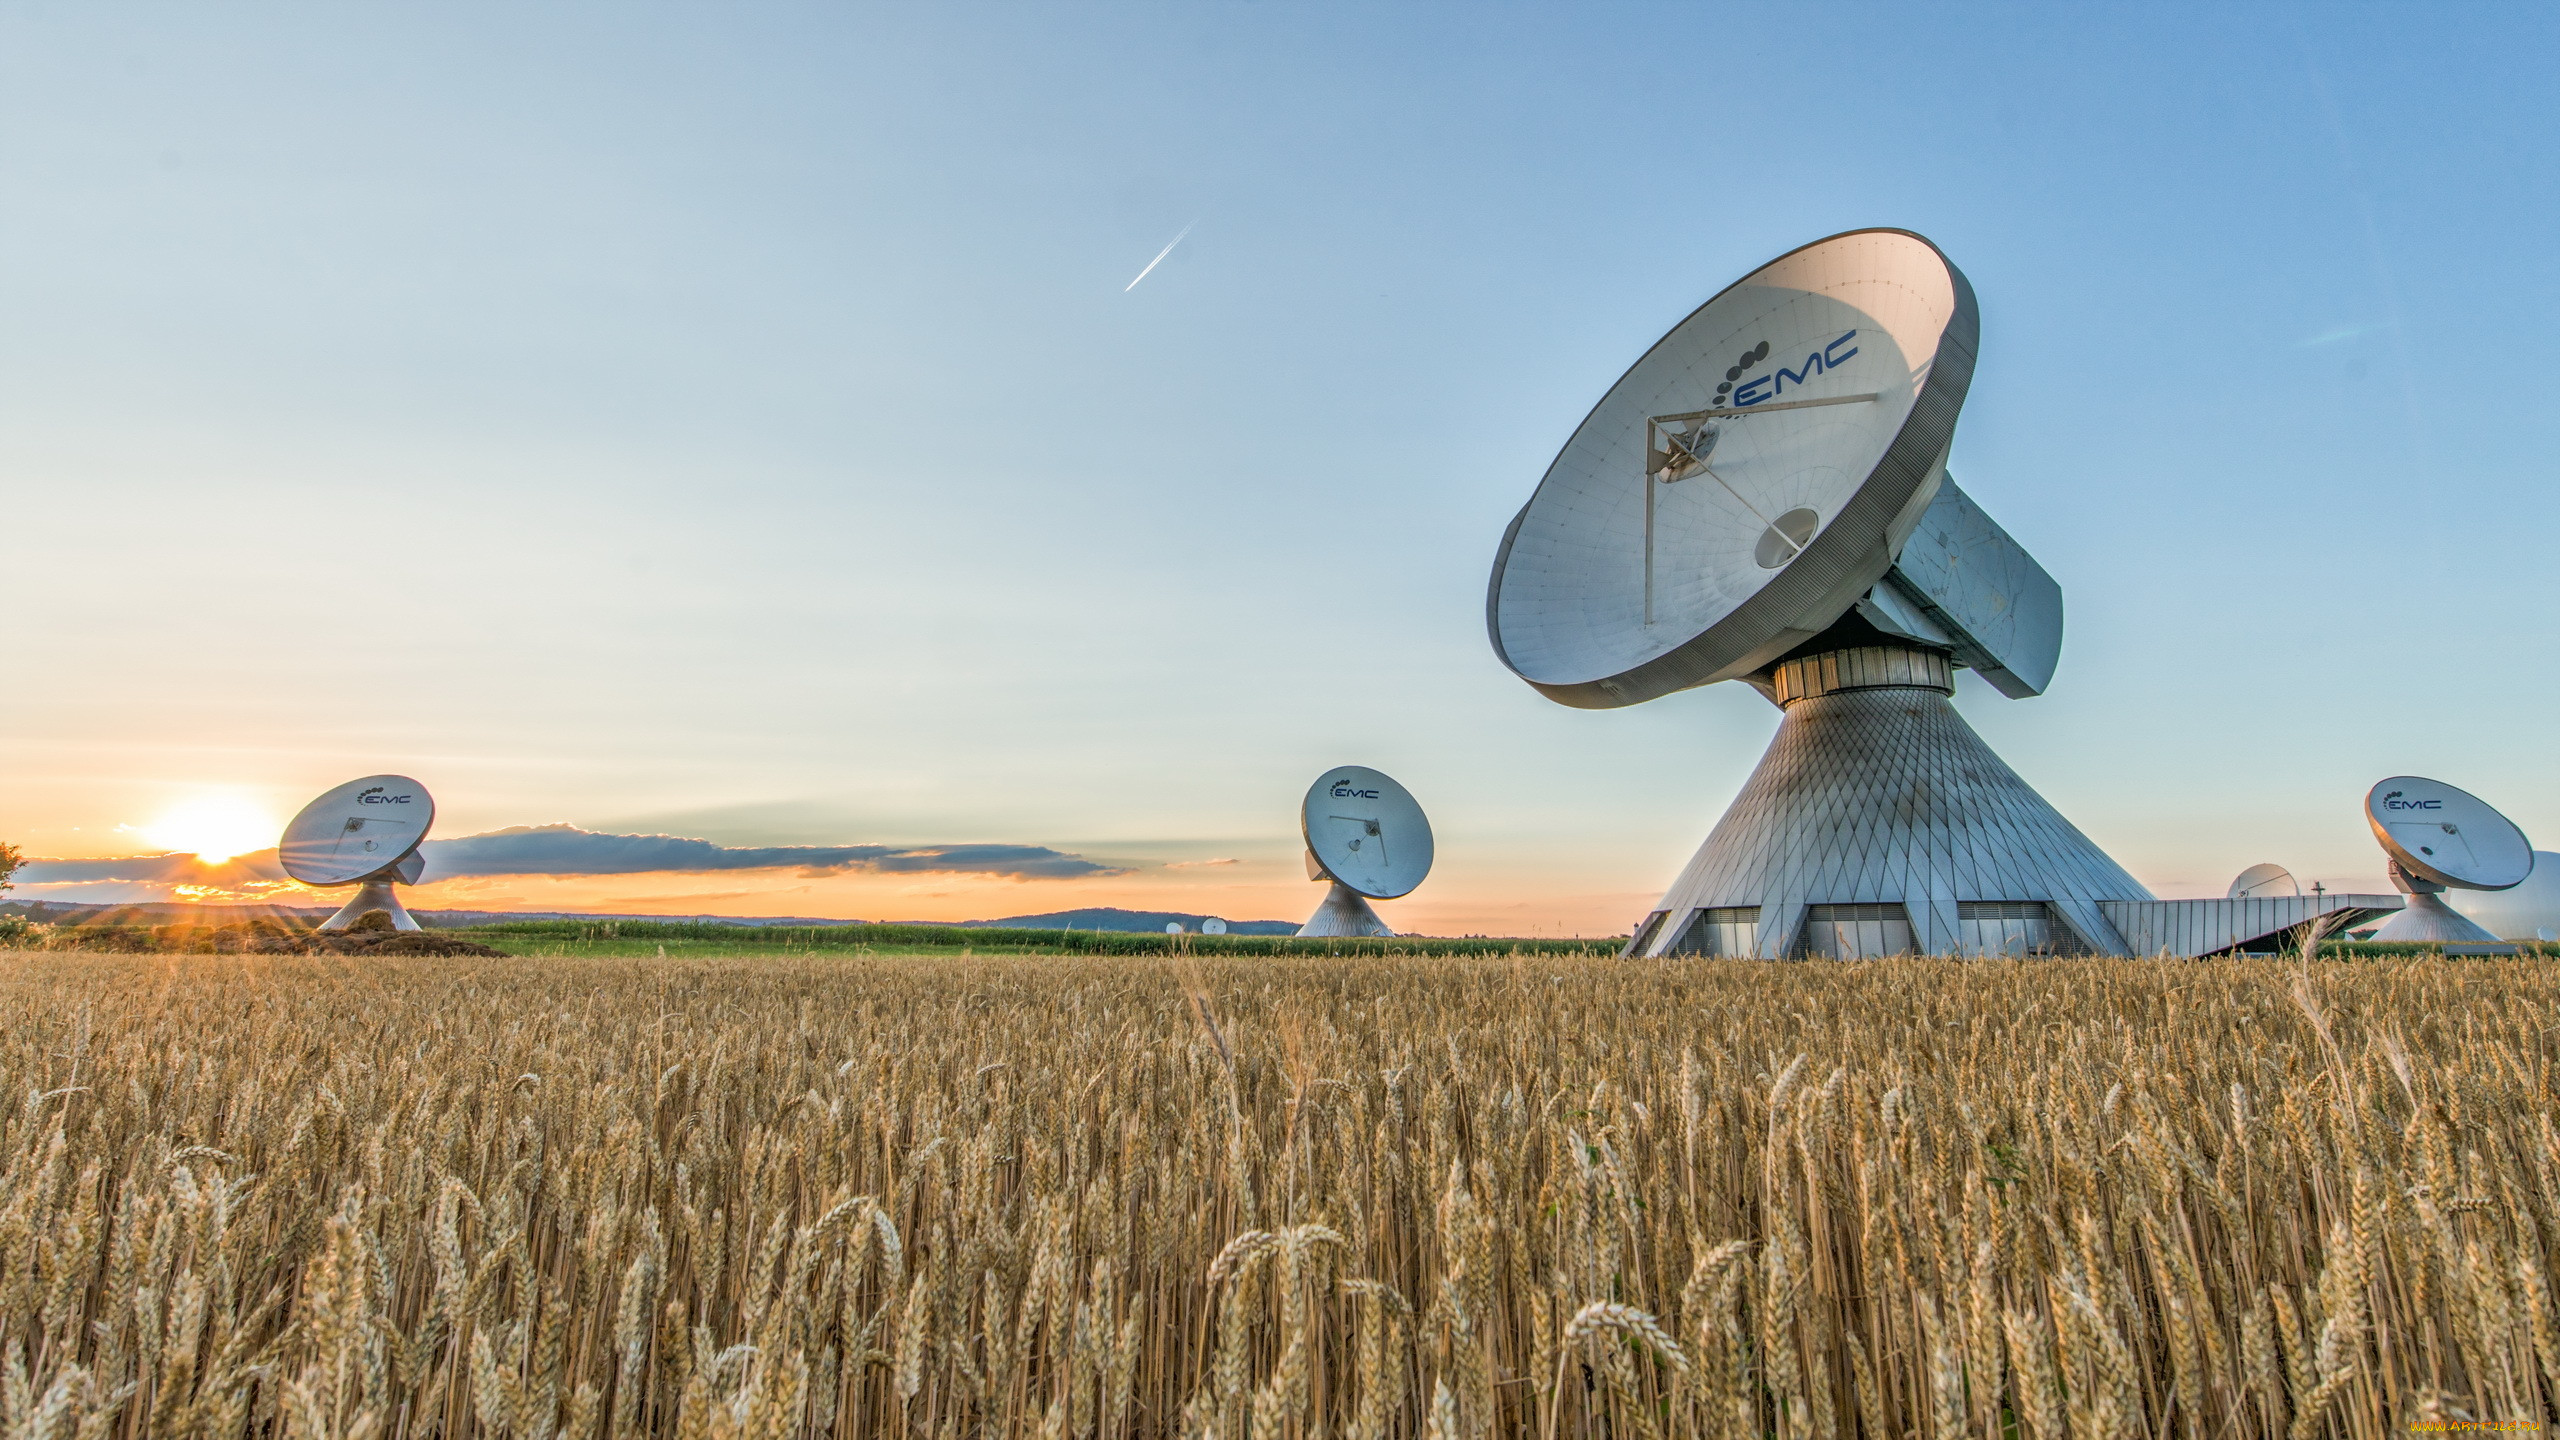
(172, 912)
(457, 919)
(1132, 920)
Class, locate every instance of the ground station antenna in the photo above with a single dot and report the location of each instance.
(364, 833)
(1368, 837)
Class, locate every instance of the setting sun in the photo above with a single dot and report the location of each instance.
(215, 827)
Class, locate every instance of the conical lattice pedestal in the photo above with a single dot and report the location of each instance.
(2428, 920)
(1343, 913)
(1878, 822)
(371, 896)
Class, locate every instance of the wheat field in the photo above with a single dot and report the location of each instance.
(847, 1195)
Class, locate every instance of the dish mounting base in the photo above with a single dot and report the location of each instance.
(1879, 823)
(372, 895)
(1345, 914)
(2426, 919)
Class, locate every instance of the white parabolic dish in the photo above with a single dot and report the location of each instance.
(2529, 911)
(1367, 831)
(1799, 423)
(2263, 882)
(358, 831)
(2435, 832)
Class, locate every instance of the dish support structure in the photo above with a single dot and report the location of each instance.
(1879, 823)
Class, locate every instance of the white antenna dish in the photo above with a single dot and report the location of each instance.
(2527, 911)
(2263, 882)
(365, 833)
(2433, 831)
(1173, 927)
(1213, 926)
(1756, 476)
(1368, 836)
(2440, 838)
(1764, 497)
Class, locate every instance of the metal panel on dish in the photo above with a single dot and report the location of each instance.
(2000, 611)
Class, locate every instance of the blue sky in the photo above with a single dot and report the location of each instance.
(733, 424)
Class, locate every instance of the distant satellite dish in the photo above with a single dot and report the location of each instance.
(2526, 911)
(365, 832)
(1367, 835)
(1213, 926)
(2264, 882)
(1173, 927)
(2441, 838)
(2433, 831)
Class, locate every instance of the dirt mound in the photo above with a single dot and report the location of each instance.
(367, 942)
(262, 937)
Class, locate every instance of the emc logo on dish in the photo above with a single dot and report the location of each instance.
(1342, 791)
(375, 796)
(1829, 357)
(2393, 801)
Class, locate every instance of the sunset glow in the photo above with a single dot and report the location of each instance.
(215, 827)
(659, 429)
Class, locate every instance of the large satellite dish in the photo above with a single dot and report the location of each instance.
(364, 833)
(1368, 836)
(2263, 882)
(2440, 838)
(1764, 497)
(1755, 475)
(2528, 912)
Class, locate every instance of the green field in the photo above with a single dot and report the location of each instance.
(678, 939)
(607, 938)
(626, 939)
(686, 939)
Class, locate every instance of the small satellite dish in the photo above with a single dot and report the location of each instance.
(2440, 838)
(365, 833)
(2264, 882)
(1173, 927)
(2528, 911)
(1367, 835)
(1213, 926)
(2433, 831)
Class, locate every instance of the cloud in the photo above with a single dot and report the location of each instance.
(170, 869)
(568, 850)
(1196, 864)
(546, 850)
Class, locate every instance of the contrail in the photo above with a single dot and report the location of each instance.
(1152, 264)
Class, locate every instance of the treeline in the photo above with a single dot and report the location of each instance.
(953, 937)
